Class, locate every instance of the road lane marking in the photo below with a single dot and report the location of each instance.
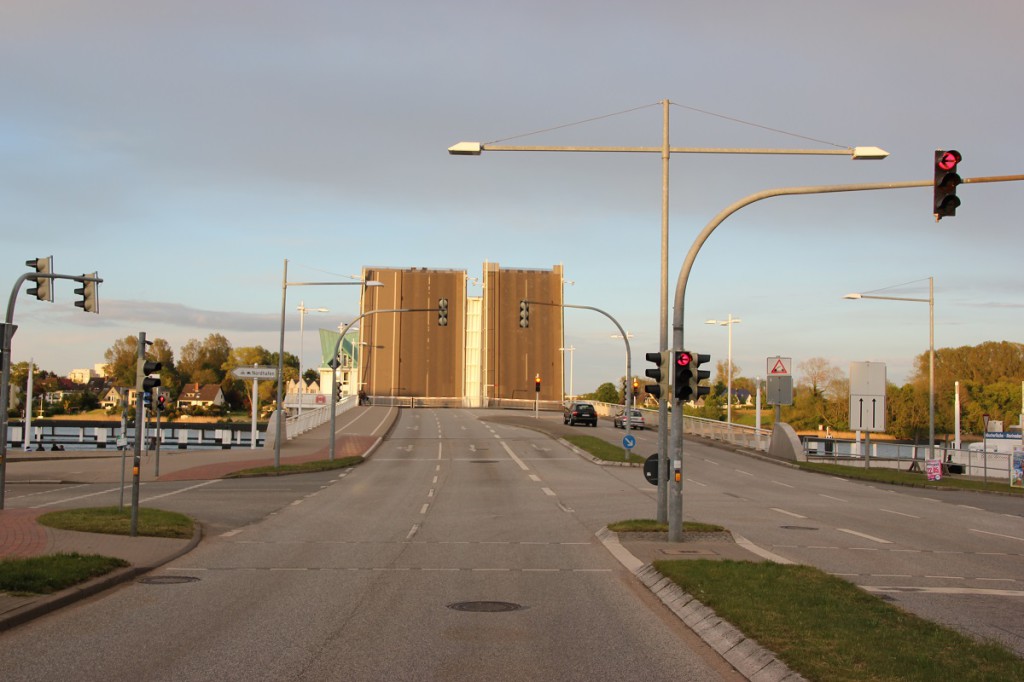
(890, 511)
(535, 478)
(788, 513)
(946, 590)
(514, 457)
(80, 497)
(865, 536)
(183, 490)
(423, 509)
(785, 485)
(415, 527)
(829, 497)
(741, 471)
(998, 535)
(967, 506)
(549, 492)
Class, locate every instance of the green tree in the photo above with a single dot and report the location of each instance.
(606, 393)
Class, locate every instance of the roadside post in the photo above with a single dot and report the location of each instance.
(256, 372)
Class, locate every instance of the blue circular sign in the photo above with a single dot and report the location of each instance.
(628, 442)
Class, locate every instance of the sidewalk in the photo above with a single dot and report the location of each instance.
(21, 536)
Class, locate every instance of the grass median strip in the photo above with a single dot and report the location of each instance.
(602, 449)
(910, 478)
(54, 572)
(117, 521)
(826, 628)
(302, 468)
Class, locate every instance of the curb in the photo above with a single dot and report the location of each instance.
(51, 602)
(748, 657)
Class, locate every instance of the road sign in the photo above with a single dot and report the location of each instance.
(629, 441)
(779, 366)
(867, 396)
(254, 372)
(779, 390)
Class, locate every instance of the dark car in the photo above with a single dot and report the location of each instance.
(580, 413)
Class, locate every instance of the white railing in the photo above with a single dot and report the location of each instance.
(734, 434)
(314, 417)
(993, 465)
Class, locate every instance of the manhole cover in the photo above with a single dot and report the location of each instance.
(485, 606)
(168, 579)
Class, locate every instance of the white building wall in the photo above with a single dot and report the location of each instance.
(474, 396)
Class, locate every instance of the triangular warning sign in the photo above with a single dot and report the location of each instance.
(779, 368)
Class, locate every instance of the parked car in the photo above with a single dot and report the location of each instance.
(636, 420)
(580, 413)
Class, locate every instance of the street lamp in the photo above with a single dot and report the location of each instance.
(572, 351)
(728, 322)
(302, 317)
(279, 421)
(666, 151)
(931, 354)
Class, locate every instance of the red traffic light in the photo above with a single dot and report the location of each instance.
(683, 359)
(948, 160)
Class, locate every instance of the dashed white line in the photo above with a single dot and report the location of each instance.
(890, 511)
(549, 492)
(423, 509)
(865, 536)
(998, 535)
(788, 513)
(829, 497)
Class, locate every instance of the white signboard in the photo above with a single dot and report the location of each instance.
(867, 396)
(255, 372)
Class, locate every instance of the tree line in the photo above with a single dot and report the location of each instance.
(209, 361)
(990, 377)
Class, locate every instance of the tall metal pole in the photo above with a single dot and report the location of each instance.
(663, 346)
(140, 433)
(280, 372)
(931, 368)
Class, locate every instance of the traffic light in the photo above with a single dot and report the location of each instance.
(442, 312)
(148, 382)
(698, 375)
(536, 384)
(161, 401)
(688, 375)
(636, 386)
(946, 181)
(89, 292)
(659, 374)
(43, 290)
(524, 314)
(337, 392)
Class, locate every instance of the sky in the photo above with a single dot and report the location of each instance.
(184, 150)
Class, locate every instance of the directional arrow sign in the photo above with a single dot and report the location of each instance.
(254, 372)
(628, 441)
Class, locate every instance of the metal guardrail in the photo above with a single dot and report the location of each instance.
(734, 434)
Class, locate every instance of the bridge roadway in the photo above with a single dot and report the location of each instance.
(377, 572)
(462, 505)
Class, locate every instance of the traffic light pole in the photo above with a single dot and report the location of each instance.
(140, 419)
(628, 394)
(675, 528)
(5, 360)
(334, 361)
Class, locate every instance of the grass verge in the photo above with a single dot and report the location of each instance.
(303, 468)
(603, 450)
(826, 628)
(52, 573)
(116, 521)
(910, 478)
(652, 526)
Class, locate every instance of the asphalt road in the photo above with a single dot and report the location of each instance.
(953, 557)
(366, 575)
